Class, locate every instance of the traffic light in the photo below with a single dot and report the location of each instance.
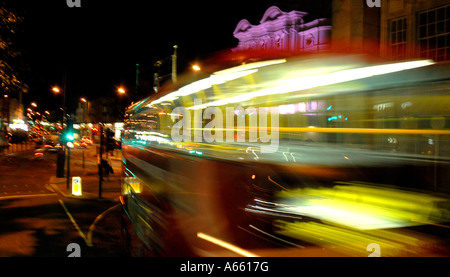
(68, 134)
(110, 142)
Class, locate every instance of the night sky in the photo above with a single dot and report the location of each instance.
(99, 44)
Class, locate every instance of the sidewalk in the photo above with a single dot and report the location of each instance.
(111, 189)
(104, 232)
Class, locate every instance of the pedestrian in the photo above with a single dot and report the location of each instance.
(110, 169)
(106, 167)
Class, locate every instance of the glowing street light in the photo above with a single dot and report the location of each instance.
(33, 104)
(85, 109)
(121, 90)
(56, 90)
(196, 67)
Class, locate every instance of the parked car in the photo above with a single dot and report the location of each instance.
(80, 143)
(87, 140)
(52, 146)
(39, 153)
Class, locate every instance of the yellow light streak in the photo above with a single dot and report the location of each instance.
(308, 82)
(226, 245)
(339, 130)
(364, 130)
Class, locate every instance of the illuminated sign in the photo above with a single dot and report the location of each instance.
(131, 184)
(76, 186)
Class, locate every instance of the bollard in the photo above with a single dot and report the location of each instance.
(60, 160)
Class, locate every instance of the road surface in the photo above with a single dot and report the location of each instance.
(37, 221)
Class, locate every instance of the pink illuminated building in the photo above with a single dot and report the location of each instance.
(286, 31)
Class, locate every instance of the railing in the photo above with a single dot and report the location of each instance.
(18, 147)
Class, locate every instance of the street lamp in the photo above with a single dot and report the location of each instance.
(85, 111)
(121, 90)
(33, 114)
(174, 64)
(57, 90)
(196, 67)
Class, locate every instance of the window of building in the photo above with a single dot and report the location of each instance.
(398, 38)
(434, 33)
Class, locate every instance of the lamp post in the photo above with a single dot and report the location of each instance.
(57, 90)
(157, 77)
(85, 118)
(86, 111)
(62, 153)
(32, 111)
(174, 64)
(122, 94)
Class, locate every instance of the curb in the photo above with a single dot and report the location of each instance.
(86, 168)
(59, 186)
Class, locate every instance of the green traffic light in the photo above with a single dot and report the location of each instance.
(70, 137)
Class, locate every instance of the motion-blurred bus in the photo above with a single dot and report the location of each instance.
(357, 154)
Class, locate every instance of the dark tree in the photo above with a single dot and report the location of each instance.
(11, 64)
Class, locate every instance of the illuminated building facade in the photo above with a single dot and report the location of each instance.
(279, 30)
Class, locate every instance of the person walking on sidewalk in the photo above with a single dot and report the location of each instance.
(107, 168)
